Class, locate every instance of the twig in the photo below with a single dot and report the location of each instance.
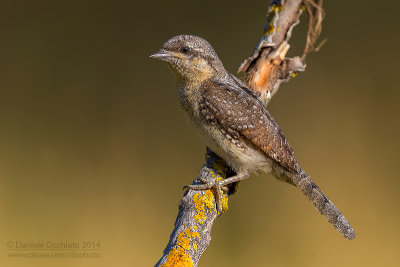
(265, 70)
(315, 17)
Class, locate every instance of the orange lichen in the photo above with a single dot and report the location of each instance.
(178, 257)
(200, 204)
(208, 200)
(183, 239)
(224, 201)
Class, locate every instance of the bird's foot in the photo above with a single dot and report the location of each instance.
(219, 187)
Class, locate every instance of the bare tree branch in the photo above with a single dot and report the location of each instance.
(265, 70)
(197, 213)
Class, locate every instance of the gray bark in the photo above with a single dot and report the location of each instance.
(265, 70)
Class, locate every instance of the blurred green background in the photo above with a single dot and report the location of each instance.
(94, 146)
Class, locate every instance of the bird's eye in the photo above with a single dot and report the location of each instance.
(185, 49)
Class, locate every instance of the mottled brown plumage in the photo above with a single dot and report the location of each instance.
(245, 118)
(235, 123)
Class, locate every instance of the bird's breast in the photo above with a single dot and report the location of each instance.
(189, 99)
(237, 153)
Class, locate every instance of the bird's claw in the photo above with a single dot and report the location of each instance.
(219, 187)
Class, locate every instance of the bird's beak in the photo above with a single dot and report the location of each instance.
(162, 55)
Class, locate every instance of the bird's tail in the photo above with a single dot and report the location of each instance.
(324, 206)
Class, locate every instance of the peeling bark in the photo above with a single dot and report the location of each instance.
(265, 70)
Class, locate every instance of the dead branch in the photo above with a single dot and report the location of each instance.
(265, 70)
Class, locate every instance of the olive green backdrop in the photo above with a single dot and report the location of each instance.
(94, 147)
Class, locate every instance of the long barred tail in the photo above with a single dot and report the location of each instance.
(325, 206)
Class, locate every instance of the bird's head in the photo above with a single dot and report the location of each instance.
(191, 58)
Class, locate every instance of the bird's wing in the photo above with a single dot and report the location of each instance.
(245, 117)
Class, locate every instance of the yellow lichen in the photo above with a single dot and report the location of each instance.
(200, 204)
(183, 239)
(270, 29)
(178, 257)
(208, 199)
(200, 217)
(224, 201)
(271, 14)
(276, 8)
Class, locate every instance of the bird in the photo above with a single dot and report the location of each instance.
(236, 125)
